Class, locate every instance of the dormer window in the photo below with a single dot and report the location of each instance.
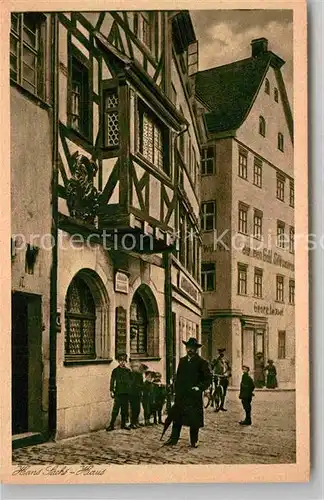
(276, 95)
(267, 86)
(262, 126)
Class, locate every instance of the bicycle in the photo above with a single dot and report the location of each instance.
(214, 396)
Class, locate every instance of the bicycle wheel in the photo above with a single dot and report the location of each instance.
(206, 399)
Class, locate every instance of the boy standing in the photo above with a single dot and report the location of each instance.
(159, 396)
(136, 393)
(246, 394)
(120, 386)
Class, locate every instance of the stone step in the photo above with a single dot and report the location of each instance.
(27, 439)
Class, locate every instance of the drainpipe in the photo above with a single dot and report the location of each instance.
(167, 259)
(52, 391)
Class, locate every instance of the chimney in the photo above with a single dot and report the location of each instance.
(259, 47)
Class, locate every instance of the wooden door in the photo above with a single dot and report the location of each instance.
(19, 363)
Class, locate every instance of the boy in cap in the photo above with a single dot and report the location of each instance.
(246, 394)
(159, 396)
(120, 387)
(136, 392)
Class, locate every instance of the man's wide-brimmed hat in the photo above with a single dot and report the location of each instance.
(192, 342)
(221, 350)
(121, 356)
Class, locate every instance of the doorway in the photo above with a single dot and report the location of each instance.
(26, 337)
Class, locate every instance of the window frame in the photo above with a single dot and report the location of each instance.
(109, 87)
(37, 52)
(243, 165)
(258, 215)
(280, 143)
(86, 112)
(280, 187)
(280, 288)
(68, 356)
(207, 160)
(291, 239)
(243, 208)
(292, 194)
(292, 289)
(205, 214)
(267, 86)
(258, 283)
(282, 344)
(136, 323)
(242, 270)
(257, 172)
(262, 126)
(208, 274)
(280, 242)
(158, 125)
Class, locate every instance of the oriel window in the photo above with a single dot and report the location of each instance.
(208, 276)
(153, 140)
(79, 114)
(27, 37)
(111, 122)
(80, 321)
(208, 161)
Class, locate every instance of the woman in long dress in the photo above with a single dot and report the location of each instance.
(272, 382)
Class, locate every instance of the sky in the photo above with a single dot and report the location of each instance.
(225, 36)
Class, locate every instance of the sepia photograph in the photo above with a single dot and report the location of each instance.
(152, 187)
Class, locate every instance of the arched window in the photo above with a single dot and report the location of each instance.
(80, 321)
(267, 86)
(138, 326)
(280, 141)
(276, 95)
(262, 126)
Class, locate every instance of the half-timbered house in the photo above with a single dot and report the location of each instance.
(125, 215)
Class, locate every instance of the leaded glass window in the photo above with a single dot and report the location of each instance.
(152, 140)
(138, 326)
(111, 124)
(80, 321)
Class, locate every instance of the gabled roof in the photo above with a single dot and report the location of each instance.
(229, 91)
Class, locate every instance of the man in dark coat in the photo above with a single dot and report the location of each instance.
(120, 389)
(246, 394)
(136, 393)
(192, 379)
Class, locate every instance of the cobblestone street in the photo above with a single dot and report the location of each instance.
(271, 439)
